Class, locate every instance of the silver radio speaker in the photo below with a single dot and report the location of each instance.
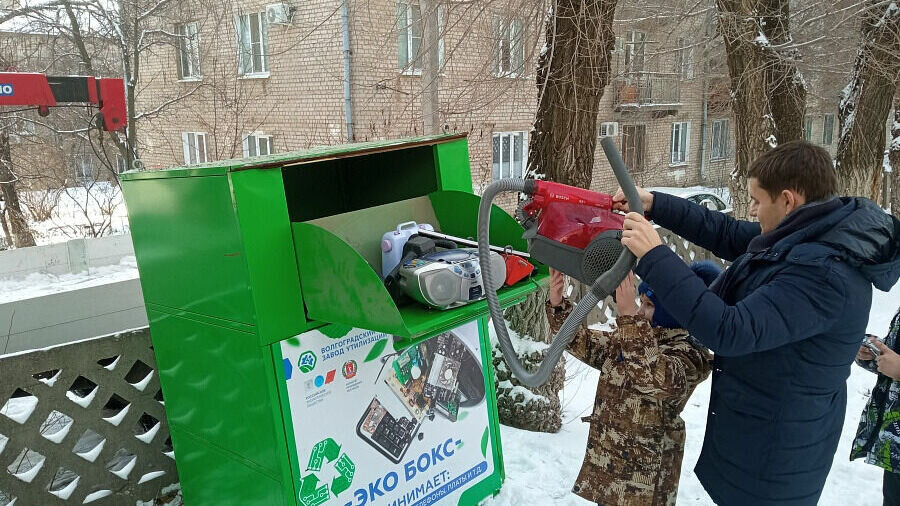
(448, 278)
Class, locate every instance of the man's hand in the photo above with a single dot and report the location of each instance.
(620, 203)
(557, 283)
(638, 235)
(625, 296)
(888, 361)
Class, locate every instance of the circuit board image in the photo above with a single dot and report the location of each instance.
(407, 379)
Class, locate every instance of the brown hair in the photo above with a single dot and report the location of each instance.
(796, 165)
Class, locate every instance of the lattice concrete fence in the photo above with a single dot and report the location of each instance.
(84, 423)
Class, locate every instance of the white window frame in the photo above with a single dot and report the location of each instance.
(79, 165)
(194, 151)
(120, 164)
(246, 47)
(608, 129)
(188, 51)
(680, 143)
(828, 133)
(252, 145)
(408, 60)
(509, 50)
(719, 145)
(634, 39)
(498, 171)
(684, 59)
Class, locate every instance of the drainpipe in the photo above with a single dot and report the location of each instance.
(348, 104)
(703, 121)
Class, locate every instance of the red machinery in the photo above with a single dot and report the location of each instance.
(33, 89)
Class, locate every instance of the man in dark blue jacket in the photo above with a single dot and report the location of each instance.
(785, 320)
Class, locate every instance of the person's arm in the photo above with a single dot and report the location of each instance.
(800, 302)
(724, 236)
(652, 372)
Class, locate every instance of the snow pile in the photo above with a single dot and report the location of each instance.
(541, 468)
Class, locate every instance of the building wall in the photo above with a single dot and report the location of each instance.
(301, 101)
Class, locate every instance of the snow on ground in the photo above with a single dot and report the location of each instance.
(541, 468)
(40, 284)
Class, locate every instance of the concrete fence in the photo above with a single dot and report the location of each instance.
(72, 256)
(84, 423)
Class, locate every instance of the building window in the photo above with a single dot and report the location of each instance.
(828, 130)
(194, 146)
(188, 50)
(807, 128)
(509, 47)
(253, 44)
(257, 144)
(719, 139)
(681, 132)
(510, 154)
(121, 166)
(635, 43)
(684, 59)
(410, 28)
(84, 167)
(634, 146)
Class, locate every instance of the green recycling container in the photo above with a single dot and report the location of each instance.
(289, 374)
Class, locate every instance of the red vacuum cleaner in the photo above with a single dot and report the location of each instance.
(572, 230)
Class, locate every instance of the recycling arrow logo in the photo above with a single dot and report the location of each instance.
(312, 493)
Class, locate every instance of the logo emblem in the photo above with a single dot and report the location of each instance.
(349, 369)
(6, 89)
(314, 493)
(307, 362)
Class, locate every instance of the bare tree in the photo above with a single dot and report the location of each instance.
(573, 71)
(895, 158)
(866, 101)
(14, 222)
(767, 90)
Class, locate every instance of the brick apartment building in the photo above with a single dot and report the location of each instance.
(259, 77)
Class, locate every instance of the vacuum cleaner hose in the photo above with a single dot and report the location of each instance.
(603, 286)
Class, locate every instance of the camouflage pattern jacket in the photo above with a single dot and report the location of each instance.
(879, 427)
(636, 436)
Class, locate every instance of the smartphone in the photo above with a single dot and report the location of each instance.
(871, 347)
(389, 435)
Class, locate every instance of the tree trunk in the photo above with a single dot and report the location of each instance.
(572, 72)
(787, 89)
(18, 225)
(895, 159)
(866, 103)
(747, 62)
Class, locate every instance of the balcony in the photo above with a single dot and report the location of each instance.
(648, 89)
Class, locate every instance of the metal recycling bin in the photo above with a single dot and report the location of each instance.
(289, 374)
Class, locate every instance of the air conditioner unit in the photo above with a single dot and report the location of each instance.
(609, 129)
(278, 14)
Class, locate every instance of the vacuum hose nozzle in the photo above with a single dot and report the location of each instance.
(600, 289)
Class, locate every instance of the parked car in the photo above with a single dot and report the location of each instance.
(716, 199)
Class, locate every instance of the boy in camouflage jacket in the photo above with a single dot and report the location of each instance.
(647, 373)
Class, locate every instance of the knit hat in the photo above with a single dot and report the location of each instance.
(706, 270)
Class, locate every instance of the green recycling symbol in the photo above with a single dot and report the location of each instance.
(311, 492)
